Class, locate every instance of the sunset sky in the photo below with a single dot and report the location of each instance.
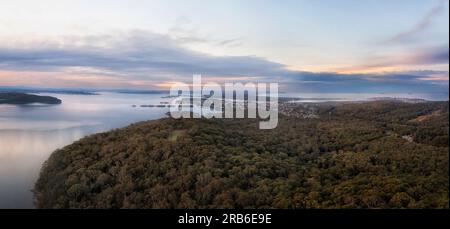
(311, 45)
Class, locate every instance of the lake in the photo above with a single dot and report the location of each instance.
(30, 133)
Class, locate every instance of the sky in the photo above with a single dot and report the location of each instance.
(375, 46)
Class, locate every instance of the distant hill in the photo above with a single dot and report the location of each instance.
(405, 100)
(379, 154)
(23, 98)
(28, 90)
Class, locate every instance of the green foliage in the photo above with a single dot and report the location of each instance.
(23, 98)
(353, 156)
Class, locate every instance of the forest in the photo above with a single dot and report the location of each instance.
(24, 98)
(380, 154)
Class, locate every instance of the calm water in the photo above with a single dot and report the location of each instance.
(29, 134)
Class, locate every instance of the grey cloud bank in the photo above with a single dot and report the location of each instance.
(146, 56)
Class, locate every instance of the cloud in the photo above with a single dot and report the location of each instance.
(230, 42)
(387, 77)
(138, 52)
(430, 83)
(420, 26)
(435, 56)
(141, 59)
(401, 59)
(182, 32)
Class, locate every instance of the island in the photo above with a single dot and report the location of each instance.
(24, 98)
(376, 154)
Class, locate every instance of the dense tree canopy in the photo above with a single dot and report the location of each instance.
(358, 155)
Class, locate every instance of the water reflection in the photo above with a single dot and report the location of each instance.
(28, 134)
